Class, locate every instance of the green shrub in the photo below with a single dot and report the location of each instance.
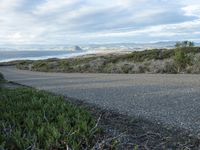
(154, 54)
(64, 65)
(184, 44)
(170, 68)
(2, 80)
(41, 66)
(181, 59)
(37, 120)
(1, 77)
(24, 64)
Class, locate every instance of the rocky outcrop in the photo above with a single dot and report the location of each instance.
(77, 48)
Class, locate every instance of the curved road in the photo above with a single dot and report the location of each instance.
(173, 100)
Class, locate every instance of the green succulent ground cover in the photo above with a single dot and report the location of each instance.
(37, 119)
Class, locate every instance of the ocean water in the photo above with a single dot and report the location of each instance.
(6, 56)
(35, 52)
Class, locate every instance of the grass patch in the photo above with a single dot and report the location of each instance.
(38, 120)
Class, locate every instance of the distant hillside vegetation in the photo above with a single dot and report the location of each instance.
(182, 59)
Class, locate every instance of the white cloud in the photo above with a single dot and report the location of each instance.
(64, 21)
(9, 5)
(192, 10)
(52, 6)
(167, 32)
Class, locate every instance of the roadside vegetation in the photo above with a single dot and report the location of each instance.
(32, 119)
(185, 58)
(1, 78)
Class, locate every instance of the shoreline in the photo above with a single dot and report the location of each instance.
(83, 54)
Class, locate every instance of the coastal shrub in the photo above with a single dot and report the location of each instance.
(157, 54)
(126, 66)
(189, 50)
(112, 68)
(166, 54)
(162, 66)
(64, 64)
(157, 66)
(2, 80)
(80, 68)
(77, 61)
(195, 67)
(184, 44)
(140, 56)
(97, 64)
(134, 62)
(139, 68)
(170, 67)
(181, 59)
(1, 77)
(33, 119)
(40, 66)
(24, 64)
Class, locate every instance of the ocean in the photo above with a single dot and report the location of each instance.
(36, 52)
(6, 56)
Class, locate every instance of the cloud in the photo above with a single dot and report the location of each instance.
(52, 6)
(86, 21)
(9, 5)
(192, 10)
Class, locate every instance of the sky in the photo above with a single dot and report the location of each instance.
(98, 21)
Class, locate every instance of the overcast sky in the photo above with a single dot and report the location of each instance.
(98, 21)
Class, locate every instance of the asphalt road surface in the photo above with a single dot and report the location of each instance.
(172, 100)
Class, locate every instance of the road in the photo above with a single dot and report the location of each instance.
(172, 100)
